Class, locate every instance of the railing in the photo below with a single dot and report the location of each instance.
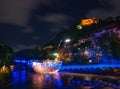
(94, 66)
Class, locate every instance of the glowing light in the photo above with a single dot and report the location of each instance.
(90, 61)
(67, 40)
(91, 21)
(79, 26)
(4, 69)
(55, 54)
(87, 53)
(34, 63)
(11, 67)
(57, 57)
(47, 67)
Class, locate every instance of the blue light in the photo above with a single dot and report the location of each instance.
(78, 82)
(59, 83)
(47, 76)
(95, 66)
(17, 60)
(23, 61)
(18, 77)
(73, 81)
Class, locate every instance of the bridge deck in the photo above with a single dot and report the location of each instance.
(95, 66)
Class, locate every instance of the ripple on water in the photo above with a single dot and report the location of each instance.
(30, 80)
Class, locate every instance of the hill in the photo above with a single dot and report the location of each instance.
(74, 33)
(91, 38)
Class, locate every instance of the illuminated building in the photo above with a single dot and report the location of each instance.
(89, 22)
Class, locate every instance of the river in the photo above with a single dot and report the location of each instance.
(61, 80)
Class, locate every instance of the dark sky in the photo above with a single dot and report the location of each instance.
(27, 23)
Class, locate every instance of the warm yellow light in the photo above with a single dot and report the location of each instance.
(4, 69)
(91, 21)
(90, 61)
(87, 53)
(79, 26)
(57, 57)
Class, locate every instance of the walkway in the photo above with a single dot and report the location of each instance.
(93, 66)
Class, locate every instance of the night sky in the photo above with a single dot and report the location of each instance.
(27, 23)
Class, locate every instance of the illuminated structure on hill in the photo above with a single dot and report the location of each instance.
(89, 22)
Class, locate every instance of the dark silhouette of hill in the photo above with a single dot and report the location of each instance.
(75, 34)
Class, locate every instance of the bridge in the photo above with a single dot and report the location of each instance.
(92, 66)
(112, 65)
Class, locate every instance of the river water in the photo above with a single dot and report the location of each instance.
(31, 80)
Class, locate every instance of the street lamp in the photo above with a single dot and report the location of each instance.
(67, 40)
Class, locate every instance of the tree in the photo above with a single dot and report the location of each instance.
(110, 44)
(116, 47)
(64, 54)
(6, 55)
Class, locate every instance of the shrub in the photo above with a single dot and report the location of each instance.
(4, 76)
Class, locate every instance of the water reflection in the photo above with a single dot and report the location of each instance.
(18, 80)
(30, 80)
(46, 81)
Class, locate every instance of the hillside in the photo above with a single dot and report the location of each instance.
(74, 33)
(93, 34)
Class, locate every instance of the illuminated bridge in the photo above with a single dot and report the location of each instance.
(94, 66)
(75, 67)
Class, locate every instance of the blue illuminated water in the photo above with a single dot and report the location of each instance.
(31, 80)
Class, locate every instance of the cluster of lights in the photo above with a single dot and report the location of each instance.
(4, 69)
(89, 22)
(95, 66)
(47, 67)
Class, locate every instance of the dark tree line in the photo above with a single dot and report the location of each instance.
(6, 55)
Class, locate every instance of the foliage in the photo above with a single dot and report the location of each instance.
(115, 47)
(4, 76)
(6, 55)
(110, 45)
(64, 54)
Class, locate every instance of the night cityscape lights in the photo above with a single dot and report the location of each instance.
(90, 53)
(65, 44)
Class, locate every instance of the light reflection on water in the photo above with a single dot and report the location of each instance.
(30, 80)
(46, 81)
(24, 80)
